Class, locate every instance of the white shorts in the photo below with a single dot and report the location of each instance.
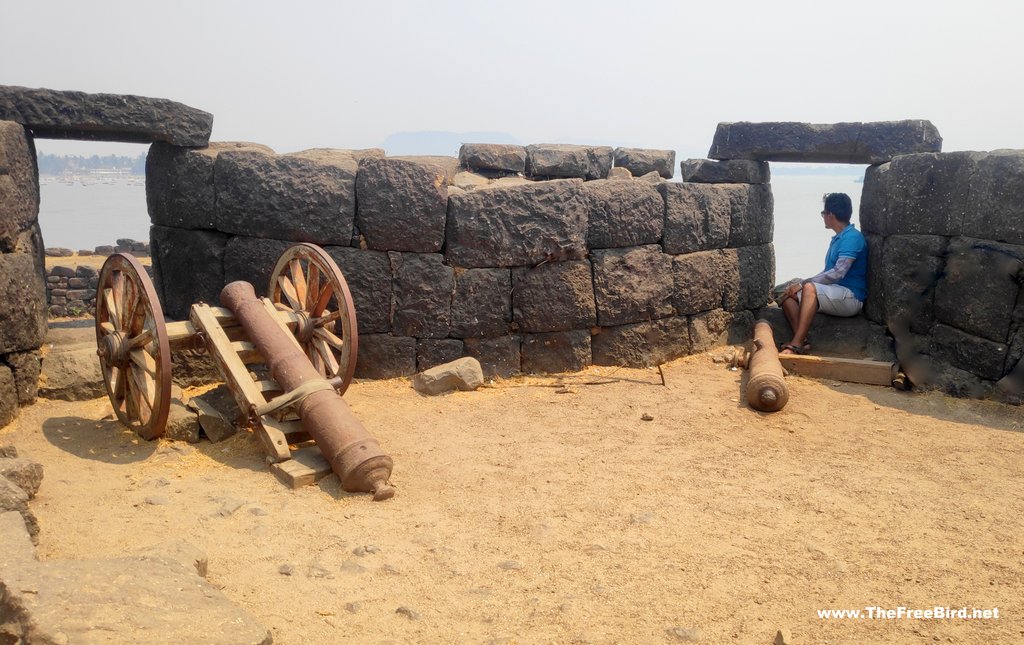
(835, 300)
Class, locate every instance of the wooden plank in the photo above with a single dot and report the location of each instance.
(307, 466)
(231, 367)
(281, 321)
(851, 370)
(291, 430)
(247, 352)
(274, 442)
(181, 334)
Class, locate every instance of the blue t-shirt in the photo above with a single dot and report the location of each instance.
(850, 244)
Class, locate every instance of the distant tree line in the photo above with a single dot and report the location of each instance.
(74, 164)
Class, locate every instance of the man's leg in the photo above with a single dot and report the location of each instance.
(802, 315)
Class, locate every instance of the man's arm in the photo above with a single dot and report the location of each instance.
(835, 274)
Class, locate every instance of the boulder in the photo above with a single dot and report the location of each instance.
(620, 174)
(23, 294)
(862, 143)
(23, 473)
(72, 373)
(369, 278)
(215, 411)
(252, 259)
(697, 216)
(8, 396)
(752, 220)
(19, 184)
(26, 367)
(462, 374)
(700, 279)
(58, 252)
(719, 327)
(623, 213)
(556, 352)
(557, 296)
(910, 272)
(566, 160)
(979, 287)
(643, 344)
(386, 356)
(632, 284)
(431, 352)
(979, 356)
(996, 195)
(499, 356)
(481, 302)
(182, 423)
(422, 294)
(402, 205)
(640, 161)
(517, 226)
(13, 498)
(738, 171)
(189, 268)
(493, 157)
(285, 197)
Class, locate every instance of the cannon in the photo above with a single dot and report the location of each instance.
(766, 387)
(310, 320)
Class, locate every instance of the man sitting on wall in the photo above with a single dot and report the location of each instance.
(841, 288)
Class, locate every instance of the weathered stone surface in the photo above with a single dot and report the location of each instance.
(58, 252)
(182, 423)
(567, 160)
(517, 226)
(911, 268)
(385, 356)
(979, 286)
(700, 280)
(697, 216)
(620, 174)
(868, 143)
(23, 294)
(52, 114)
(719, 327)
(8, 396)
(14, 536)
(252, 259)
(72, 374)
(738, 171)
(26, 367)
(462, 374)
(181, 551)
(431, 352)
(179, 183)
(188, 267)
(369, 278)
(499, 357)
(493, 157)
(215, 411)
(623, 213)
(555, 352)
(19, 184)
(8, 451)
(422, 294)
(449, 166)
(285, 197)
(193, 368)
(755, 268)
(845, 337)
(469, 181)
(23, 473)
(13, 498)
(481, 303)
(632, 284)
(978, 356)
(642, 344)
(752, 220)
(640, 161)
(402, 205)
(996, 196)
(558, 296)
(874, 306)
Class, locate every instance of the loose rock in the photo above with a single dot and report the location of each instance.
(463, 374)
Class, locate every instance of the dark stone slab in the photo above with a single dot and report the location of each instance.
(738, 171)
(179, 183)
(756, 276)
(52, 114)
(926, 194)
(643, 344)
(700, 280)
(482, 302)
(557, 296)
(752, 220)
(8, 398)
(978, 356)
(874, 306)
(499, 356)
(567, 160)
(996, 196)
(843, 337)
(632, 284)
(431, 352)
(19, 184)
(285, 197)
(874, 200)
(911, 268)
(447, 165)
(23, 298)
(697, 216)
(189, 268)
(866, 143)
(26, 367)
(422, 294)
(385, 356)
(253, 259)
(402, 205)
(555, 352)
(719, 327)
(369, 278)
(979, 287)
(493, 157)
(518, 226)
(623, 213)
(640, 161)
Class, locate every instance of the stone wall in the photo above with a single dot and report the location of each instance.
(526, 258)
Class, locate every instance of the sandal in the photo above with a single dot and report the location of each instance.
(797, 349)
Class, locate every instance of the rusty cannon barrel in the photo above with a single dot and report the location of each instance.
(354, 455)
(766, 388)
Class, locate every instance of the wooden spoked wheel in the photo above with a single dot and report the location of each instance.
(131, 341)
(308, 282)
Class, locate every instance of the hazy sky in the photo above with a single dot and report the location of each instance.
(654, 74)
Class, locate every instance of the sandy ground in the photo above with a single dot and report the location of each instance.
(532, 516)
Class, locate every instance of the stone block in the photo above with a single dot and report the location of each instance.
(369, 278)
(179, 183)
(623, 213)
(979, 356)
(252, 259)
(860, 143)
(77, 283)
(567, 160)
(499, 356)
(285, 197)
(386, 356)
(756, 276)
(911, 268)
(700, 280)
(182, 423)
(23, 473)
(19, 184)
(643, 344)
(557, 296)
(632, 284)
(752, 215)
(719, 327)
(13, 498)
(23, 294)
(843, 337)
(72, 374)
(26, 366)
(996, 198)
(52, 114)
(402, 205)
(431, 352)
(62, 271)
(493, 157)
(519, 225)
(640, 161)
(978, 289)
(215, 412)
(18, 547)
(556, 352)
(737, 171)
(422, 294)
(81, 294)
(189, 268)
(462, 374)
(481, 303)
(874, 306)
(448, 166)
(697, 216)
(8, 396)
